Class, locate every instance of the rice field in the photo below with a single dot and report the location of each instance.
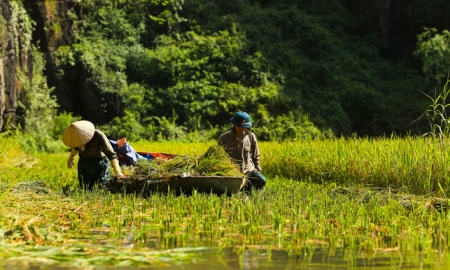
(360, 198)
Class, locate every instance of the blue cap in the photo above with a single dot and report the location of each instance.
(241, 119)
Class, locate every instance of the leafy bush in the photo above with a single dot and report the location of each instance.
(39, 107)
(433, 49)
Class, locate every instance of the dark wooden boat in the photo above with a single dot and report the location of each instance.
(179, 185)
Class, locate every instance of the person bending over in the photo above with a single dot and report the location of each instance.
(96, 154)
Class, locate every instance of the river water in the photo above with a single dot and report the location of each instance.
(207, 258)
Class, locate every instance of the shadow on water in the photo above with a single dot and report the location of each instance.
(210, 258)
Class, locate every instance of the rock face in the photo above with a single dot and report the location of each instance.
(12, 58)
(43, 23)
(53, 29)
(73, 85)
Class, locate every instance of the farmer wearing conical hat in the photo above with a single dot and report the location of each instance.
(95, 154)
(241, 145)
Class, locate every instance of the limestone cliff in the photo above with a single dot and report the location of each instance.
(23, 23)
(14, 53)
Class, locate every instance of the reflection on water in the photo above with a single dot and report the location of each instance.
(210, 258)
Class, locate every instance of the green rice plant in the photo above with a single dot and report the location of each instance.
(306, 216)
(437, 113)
(415, 163)
(344, 196)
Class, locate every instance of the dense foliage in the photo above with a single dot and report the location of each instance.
(178, 70)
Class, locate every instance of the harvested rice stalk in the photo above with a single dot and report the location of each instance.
(146, 169)
(179, 165)
(217, 162)
(163, 168)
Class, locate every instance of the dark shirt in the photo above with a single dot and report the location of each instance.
(98, 147)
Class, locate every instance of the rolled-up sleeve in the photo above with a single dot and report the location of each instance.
(256, 153)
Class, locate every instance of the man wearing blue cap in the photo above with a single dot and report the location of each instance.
(241, 144)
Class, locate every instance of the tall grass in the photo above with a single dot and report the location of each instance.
(417, 164)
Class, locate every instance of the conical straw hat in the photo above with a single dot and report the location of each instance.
(78, 133)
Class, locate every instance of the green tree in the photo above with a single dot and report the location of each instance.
(203, 78)
(433, 48)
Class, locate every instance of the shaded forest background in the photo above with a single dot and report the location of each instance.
(160, 69)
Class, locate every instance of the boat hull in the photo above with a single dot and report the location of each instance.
(179, 185)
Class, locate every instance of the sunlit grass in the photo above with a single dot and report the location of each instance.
(418, 165)
(353, 195)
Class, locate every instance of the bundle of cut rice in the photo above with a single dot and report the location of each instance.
(215, 162)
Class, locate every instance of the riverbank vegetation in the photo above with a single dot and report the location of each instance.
(364, 196)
